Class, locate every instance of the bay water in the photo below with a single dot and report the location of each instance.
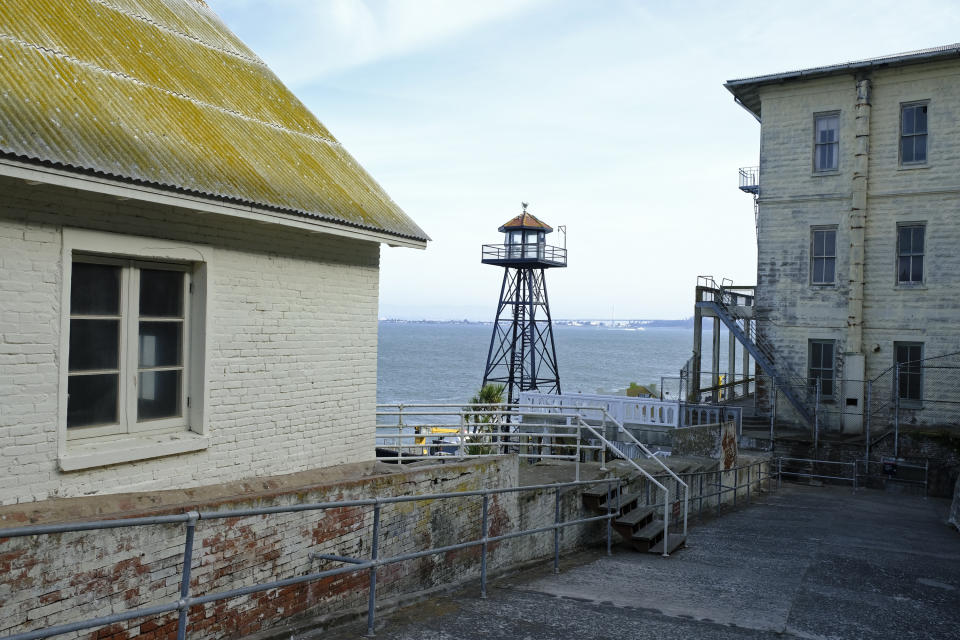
(423, 362)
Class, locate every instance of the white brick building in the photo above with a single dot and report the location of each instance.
(188, 259)
(858, 201)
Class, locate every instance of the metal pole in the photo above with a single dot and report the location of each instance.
(374, 555)
(749, 467)
(773, 408)
(700, 502)
(579, 426)
(666, 519)
(463, 435)
(483, 547)
(603, 448)
(185, 575)
(867, 409)
(816, 419)
(719, 489)
(896, 413)
(609, 521)
(556, 534)
(779, 473)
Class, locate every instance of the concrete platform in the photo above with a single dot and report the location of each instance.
(802, 563)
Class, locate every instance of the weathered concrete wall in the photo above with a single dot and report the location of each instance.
(50, 580)
(792, 311)
(716, 441)
(291, 346)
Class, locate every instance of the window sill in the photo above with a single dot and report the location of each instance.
(100, 452)
(823, 285)
(825, 174)
(911, 167)
(906, 286)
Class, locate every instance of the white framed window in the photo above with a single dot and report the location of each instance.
(826, 142)
(133, 380)
(823, 255)
(910, 241)
(908, 356)
(821, 359)
(129, 348)
(913, 133)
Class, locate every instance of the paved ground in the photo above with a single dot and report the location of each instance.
(805, 562)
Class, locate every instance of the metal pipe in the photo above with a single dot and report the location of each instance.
(483, 548)
(869, 411)
(556, 532)
(610, 520)
(374, 556)
(896, 413)
(666, 521)
(185, 576)
(335, 558)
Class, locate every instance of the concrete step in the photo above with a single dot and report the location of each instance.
(649, 535)
(625, 503)
(676, 540)
(594, 496)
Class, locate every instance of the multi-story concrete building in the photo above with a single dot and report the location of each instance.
(857, 204)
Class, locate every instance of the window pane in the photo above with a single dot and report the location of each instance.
(828, 268)
(826, 385)
(905, 240)
(828, 355)
(160, 344)
(917, 239)
(161, 293)
(818, 243)
(818, 270)
(829, 243)
(906, 149)
(94, 344)
(903, 271)
(92, 400)
(816, 355)
(916, 275)
(158, 395)
(920, 119)
(95, 290)
(907, 117)
(920, 148)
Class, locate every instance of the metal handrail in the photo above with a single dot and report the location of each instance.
(186, 601)
(656, 459)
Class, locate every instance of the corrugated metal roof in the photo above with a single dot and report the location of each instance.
(161, 92)
(746, 89)
(525, 221)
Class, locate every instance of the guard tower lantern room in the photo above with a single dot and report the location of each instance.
(522, 355)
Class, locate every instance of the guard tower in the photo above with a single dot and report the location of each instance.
(522, 355)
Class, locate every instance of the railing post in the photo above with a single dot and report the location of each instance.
(773, 408)
(868, 411)
(610, 519)
(719, 489)
(463, 435)
(700, 502)
(779, 473)
(603, 449)
(666, 519)
(483, 547)
(816, 420)
(184, 608)
(399, 433)
(374, 555)
(579, 427)
(749, 467)
(556, 534)
(896, 413)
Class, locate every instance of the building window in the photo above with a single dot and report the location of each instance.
(826, 148)
(913, 133)
(823, 256)
(910, 253)
(129, 345)
(909, 357)
(822, 366)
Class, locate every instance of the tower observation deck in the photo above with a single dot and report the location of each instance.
(522, 355)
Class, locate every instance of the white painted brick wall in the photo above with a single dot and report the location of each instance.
(793, 199)
(292, 345)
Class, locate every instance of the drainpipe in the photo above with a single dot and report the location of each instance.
(854, 369)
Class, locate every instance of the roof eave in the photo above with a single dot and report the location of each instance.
(87, 181)
(746, 91)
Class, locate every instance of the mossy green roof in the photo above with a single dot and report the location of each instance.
(160, 92)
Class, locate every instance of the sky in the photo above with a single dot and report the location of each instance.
(607, 116)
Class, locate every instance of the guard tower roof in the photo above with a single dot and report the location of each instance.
(525, 221)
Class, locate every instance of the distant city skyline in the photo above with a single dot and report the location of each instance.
(608, 117)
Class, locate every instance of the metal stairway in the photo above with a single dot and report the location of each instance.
(762, 351)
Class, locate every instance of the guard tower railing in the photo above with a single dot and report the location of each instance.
(523, 254)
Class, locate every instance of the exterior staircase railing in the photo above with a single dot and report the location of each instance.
(722, 301)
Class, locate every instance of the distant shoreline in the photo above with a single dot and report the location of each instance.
(588, 323)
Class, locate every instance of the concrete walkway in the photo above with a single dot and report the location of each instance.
(805, 562)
